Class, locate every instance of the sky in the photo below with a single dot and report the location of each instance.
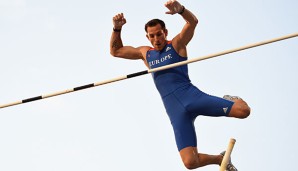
(48, 46)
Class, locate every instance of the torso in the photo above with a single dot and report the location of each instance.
(171, 79)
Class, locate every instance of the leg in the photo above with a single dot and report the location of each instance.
(183, 107)
(200, 103)
(197, 103)
(192, 159)
(185, 135)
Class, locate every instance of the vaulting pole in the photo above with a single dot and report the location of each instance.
(148, 71)
(227, 155)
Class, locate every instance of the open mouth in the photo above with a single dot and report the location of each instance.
(157, 44)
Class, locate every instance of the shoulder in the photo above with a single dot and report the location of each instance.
(179, 46)
(143, 50)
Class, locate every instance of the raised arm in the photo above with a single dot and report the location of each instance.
(187, 32)
(116, 46)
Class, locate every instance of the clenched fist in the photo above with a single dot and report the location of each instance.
(119, 21)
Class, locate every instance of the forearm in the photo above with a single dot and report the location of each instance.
(115, 42)
(189, 17)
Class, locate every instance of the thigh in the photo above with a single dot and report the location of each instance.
(199, 103)
(182, 123)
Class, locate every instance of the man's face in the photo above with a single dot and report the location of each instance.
(157, 36)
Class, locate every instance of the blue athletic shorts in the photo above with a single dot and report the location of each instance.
(185, 104)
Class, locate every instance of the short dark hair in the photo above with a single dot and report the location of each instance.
(155, 22)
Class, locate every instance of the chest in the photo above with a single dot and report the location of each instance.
(157, 59)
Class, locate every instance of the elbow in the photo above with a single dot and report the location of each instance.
(196, 21)
(113, 53)
(193, 23)
(116, 51)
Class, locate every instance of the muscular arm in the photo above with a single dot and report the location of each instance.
(187, 32)
(181, 40)
(116, 46)
(118, 50)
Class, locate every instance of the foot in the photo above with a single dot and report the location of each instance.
(231, 98)
(230, 166)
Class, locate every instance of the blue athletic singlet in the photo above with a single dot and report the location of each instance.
(182, 100)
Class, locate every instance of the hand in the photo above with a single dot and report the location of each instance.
(174, 7)
(119, 21)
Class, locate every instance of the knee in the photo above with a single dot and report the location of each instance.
(190, 164)
(240, 110)
(244, 112)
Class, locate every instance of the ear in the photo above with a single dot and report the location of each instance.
(147, 36)
(166, 32)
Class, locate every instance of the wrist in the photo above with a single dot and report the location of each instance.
(116, 30)
(182, 10)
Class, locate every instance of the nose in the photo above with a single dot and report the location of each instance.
(156, 39)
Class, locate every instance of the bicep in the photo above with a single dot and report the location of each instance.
(129, 52)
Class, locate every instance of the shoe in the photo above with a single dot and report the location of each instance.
(230, 166)
(231, 98)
